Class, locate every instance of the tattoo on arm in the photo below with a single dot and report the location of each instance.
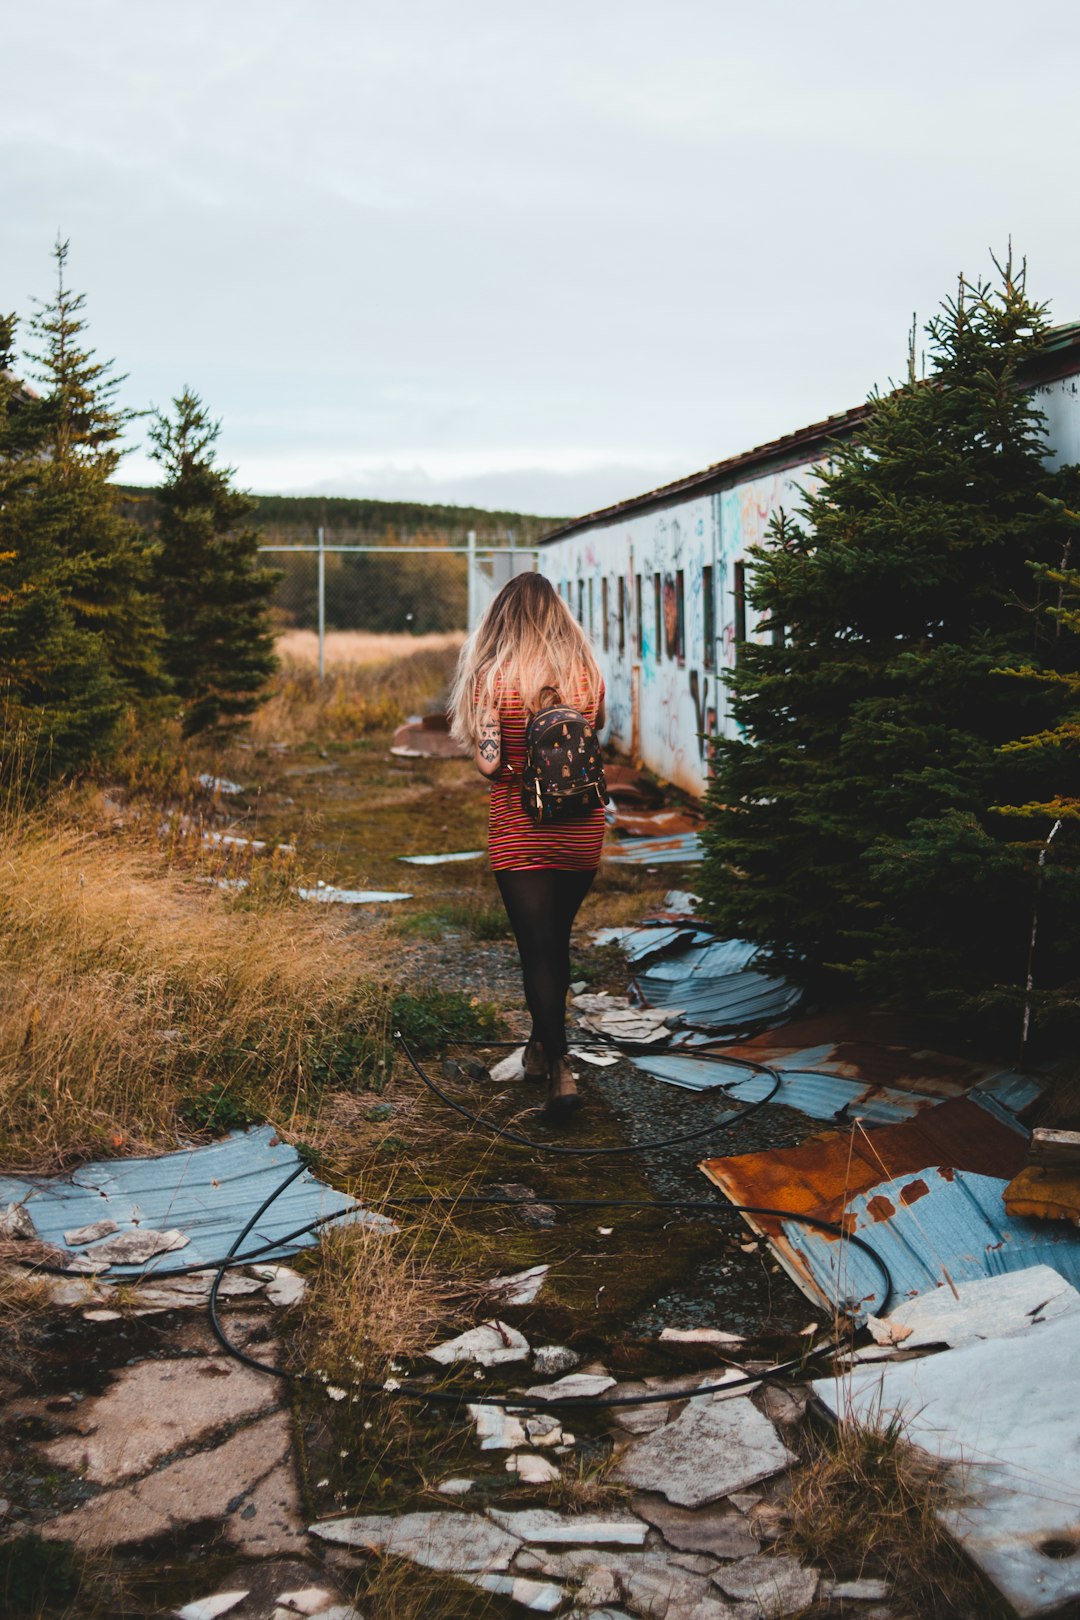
(490, 740)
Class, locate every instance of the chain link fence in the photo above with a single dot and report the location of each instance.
(329, 585)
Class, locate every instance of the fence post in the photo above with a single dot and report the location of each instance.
(322, 603)
(471, 593)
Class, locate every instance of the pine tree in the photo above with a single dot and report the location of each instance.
(850, 826)
(214, 595)
(76, 516)
(58, 701)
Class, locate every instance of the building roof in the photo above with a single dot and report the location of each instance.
(1060, 357)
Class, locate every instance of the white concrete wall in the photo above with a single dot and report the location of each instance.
(678, 701)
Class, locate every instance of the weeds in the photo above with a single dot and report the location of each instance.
(396, 1589)
(482, 918)
(133, 1001)
(866, 1503)
(431, 1019)
(354, 699)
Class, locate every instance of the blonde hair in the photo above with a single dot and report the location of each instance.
(527, 642)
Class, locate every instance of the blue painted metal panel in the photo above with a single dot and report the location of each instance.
(655, 851)
(819, 1096)
(958, 1225)
(209, 1193)
(648, 940)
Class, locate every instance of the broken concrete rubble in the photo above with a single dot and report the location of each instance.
(497, 1429)
(719, 1530)
(444, 1540)
(541, 1526)
(575, 1386)
(710, 1450)
(531, 1468)
(492, 1344)
(519, 1289)
(209, 1608)
(779, 1586)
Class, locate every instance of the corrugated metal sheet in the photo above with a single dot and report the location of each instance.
(654, 851)
(209, 1193)
(924, 1226)
(641, 944)
(715, 988)
(819, 1096)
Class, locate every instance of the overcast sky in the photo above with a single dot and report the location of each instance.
(538, 256)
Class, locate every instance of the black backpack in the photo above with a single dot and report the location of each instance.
(563, 777)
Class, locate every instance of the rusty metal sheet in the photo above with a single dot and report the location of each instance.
(654, 851)
(821, 1176)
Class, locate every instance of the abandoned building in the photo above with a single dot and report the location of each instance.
(659, 581)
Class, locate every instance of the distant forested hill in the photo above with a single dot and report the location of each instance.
(417, 593)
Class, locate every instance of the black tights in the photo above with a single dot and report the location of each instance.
(542, 905)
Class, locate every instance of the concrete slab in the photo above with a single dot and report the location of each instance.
(778, 1586)
(458, 1543)
(541, 1596)
(647, 1583)
(156, 1408)
(246, 1484)
(541, 1525)
(496, 1428)
(988, 1308)
(1002, 1411)
(492, 1344)
(719, 1530)
(710, 1450)
(574, 1387)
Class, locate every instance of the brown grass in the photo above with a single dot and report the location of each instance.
(136, 1002)
(355, 698)
(865, 1503)
(378, 1296)
(362, 646)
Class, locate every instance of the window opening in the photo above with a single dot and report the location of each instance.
(708, 617)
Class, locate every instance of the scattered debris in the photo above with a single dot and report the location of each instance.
(538, 1595)
(531, 1469)
(89, 1234)
(574, 1387)
(998, 1409)
(210, 1607)
(1048, 1186)
(1054, 1150)
(455, 1542)
(710, 1450)
(218, 784)
(704, 1335)
(541, 1526)
(545, 1431)
(986, 1308)
(326, 893)
(490, 1345)
(627, 785)
(779, 1586)
(552, 1360)
(309, 1600)
(455, 1487)
(598, 1059)
(442, 860)
(496, 1428)
(679, 847)
(508, 1068)
(653, 824)
(208, 1193)
(135, 1248)
(619, 1020)
(17, 1222)
(861, 1591)
(519, 1289)
(284, 1286)
(719, 1530)
(713, 986)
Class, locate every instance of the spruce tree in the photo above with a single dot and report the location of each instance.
(850, 826)
(214, 594)
(76, 516)
(58, 701)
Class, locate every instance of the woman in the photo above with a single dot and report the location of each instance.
(526, 653)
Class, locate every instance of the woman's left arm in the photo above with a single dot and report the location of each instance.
(487, 755)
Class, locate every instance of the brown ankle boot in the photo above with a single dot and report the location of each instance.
(534, 1065)
(563, 1095)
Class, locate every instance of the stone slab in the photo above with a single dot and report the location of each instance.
(647, 1583)
(458, 1543)
(543, 1526)
(710, 1450)
(721, 1531)
(492, 1344)
(988, 1308)
(156, 1408)
(1004, 1410)
(778, 1586)
(246, 1483)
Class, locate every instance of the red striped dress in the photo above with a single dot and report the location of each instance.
(515, 841)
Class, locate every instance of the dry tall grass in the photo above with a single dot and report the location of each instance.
(362, 646)
(355, 697)
(135, 1002)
